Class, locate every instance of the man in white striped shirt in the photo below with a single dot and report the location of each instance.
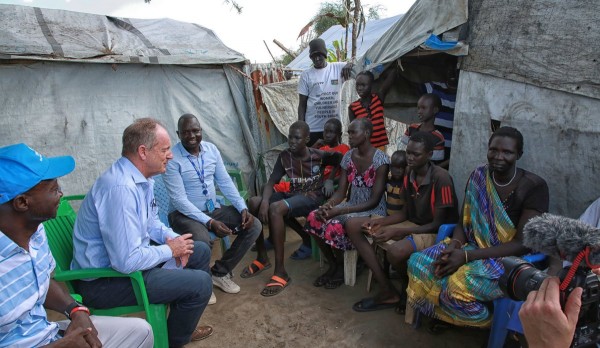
(30, 195)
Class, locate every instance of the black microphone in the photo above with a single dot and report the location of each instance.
(561, 237)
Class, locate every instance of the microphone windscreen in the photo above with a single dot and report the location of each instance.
(561, 237)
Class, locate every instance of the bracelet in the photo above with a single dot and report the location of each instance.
(209, 224)
(459, 242)
(79, 309)
(466, 257)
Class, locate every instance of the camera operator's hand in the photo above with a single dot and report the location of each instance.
(450, 261)
(544, 323)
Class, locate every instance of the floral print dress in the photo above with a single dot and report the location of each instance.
(361, 184)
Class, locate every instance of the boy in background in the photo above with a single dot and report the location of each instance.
(427, 107)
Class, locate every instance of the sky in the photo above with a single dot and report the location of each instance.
(260, 19)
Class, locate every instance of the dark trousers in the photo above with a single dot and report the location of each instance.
(187, 291)
(230, 217)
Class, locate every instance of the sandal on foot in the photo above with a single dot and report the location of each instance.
(334, 283)
(437, 327)
(302, 253)
(368, 305)
(321, 280)
(254, 269)
(276, 286)
(201, 332)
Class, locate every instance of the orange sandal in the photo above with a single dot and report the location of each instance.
(250, 272)
(276, 286)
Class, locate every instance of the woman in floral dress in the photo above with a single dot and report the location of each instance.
(364, 170)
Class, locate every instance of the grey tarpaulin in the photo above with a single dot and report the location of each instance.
(549, 43)
(61, 106)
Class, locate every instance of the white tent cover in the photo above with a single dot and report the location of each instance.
(369, 35)
(64, 106)
(45, 34)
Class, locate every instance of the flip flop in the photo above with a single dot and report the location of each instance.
(334, 283)
(277, 284)
(302, 253)
(368, 305)
(250, 272)
(437, 327)
(321, 280)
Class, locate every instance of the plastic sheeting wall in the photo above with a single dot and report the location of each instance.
(82, 110)
(561, 132)
(549, 43)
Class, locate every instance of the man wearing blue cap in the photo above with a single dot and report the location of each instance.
(30, 195)
(115, 225)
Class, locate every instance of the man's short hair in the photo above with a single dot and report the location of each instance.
(301, 125)
(141, 132)
(425, 138)
(509, 132)
(336, 123)
(185, 117)
(435, 100)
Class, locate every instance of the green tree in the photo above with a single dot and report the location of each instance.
(347, 13)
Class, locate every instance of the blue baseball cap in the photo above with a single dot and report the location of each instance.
(21, 168)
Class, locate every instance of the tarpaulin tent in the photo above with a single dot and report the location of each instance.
(71, 82)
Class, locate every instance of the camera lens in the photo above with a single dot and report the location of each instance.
(519, 278)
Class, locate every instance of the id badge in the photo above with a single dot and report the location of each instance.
(210, 205)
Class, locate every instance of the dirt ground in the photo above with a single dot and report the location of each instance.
(305, 316)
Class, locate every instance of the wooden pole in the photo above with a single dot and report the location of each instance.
(285, 49)
(274, 61)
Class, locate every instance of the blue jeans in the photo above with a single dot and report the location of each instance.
(187, 291)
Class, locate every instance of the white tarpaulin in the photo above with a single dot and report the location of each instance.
(80, 109)
(371, 32)
(44, 34)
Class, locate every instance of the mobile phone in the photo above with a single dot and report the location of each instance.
(237, 230)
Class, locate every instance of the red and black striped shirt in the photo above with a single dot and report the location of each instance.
(374, 112)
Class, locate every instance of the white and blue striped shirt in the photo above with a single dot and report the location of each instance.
(24, 281)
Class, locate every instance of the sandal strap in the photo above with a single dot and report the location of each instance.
(277, 281)
(257, 264)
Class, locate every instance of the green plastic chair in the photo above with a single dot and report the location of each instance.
(60, 238)
(236, 176)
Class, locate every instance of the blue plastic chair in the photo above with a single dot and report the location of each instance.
(162, 200)
(506, 313)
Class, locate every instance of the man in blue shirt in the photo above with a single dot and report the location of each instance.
(115, 225)
(29, 195)
(190, 181)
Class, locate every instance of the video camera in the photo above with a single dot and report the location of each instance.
(565, 239)
(521, 277)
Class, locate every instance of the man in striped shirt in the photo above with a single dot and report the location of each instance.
(30, 195)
